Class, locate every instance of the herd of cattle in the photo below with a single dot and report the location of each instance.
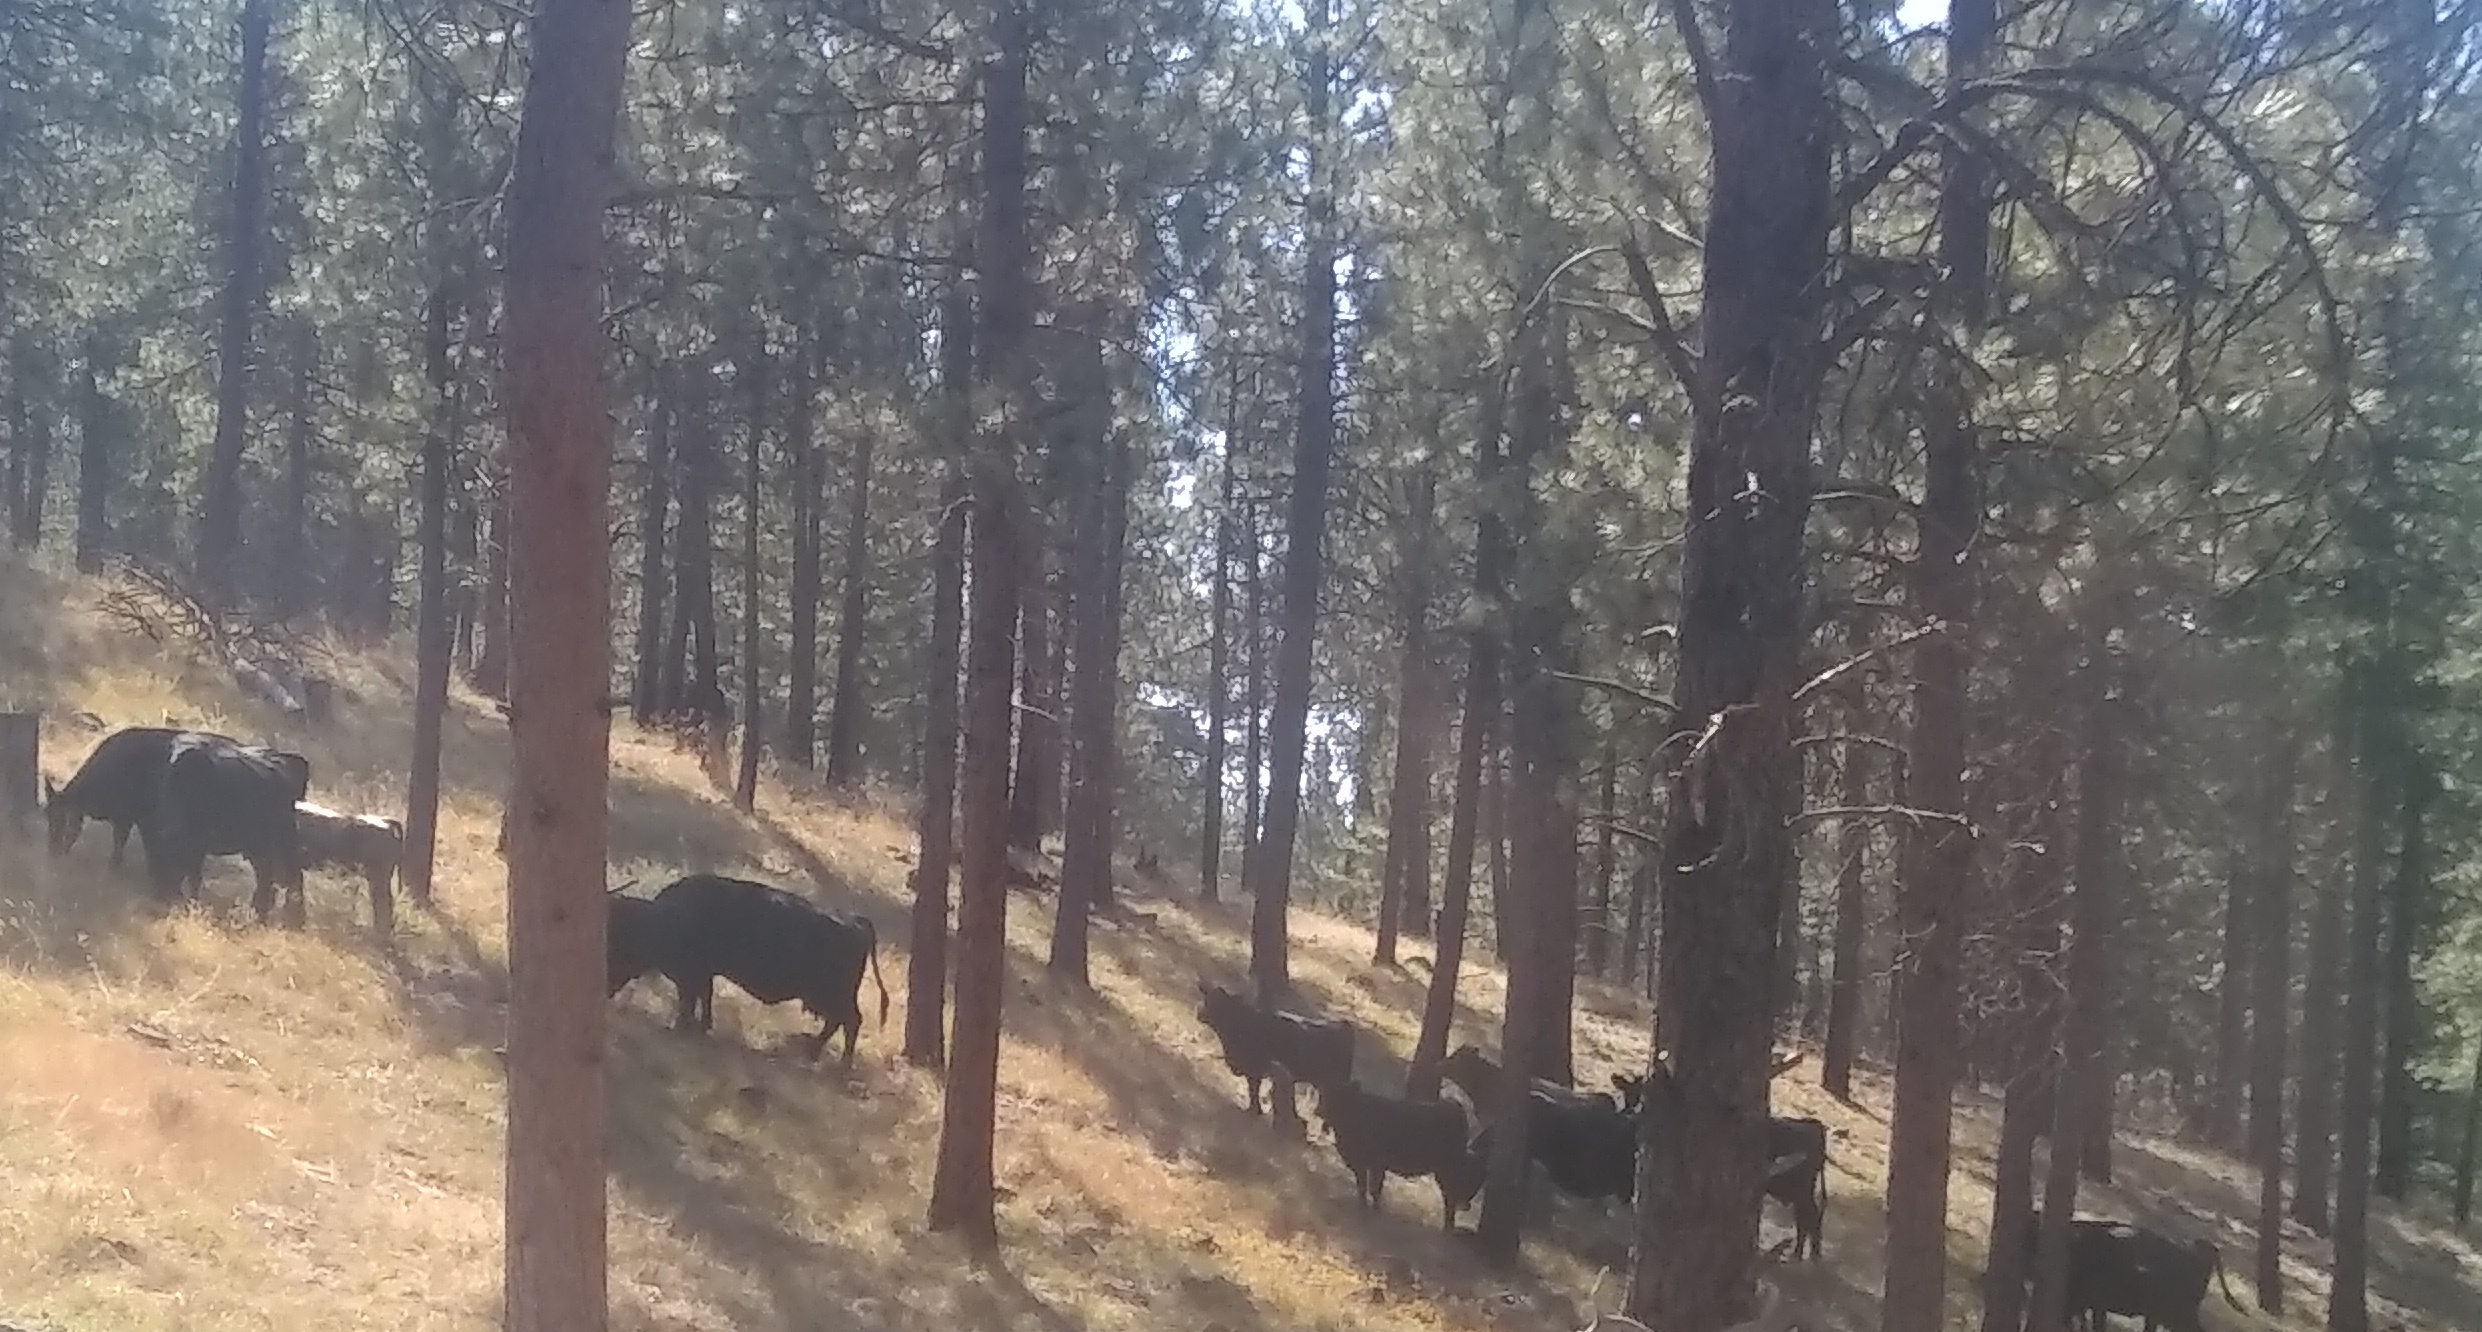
(194, 794)
(1585, 1143)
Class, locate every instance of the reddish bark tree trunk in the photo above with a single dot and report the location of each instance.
(2271, 917)
(926, 973)
(801, 683)
(1410, 788)
(845, 716)
(648, 694)
(962, 1196)
(2223, 1113)
(560, 476)
(753, 670)
(218, 547)
(1702, 1150)
(1219, 654)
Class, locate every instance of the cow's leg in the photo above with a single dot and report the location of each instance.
(383, 902)
(120, 843)
(263, 897)
(1378, 1185)
(1254, 1080)
(853, 1033)
(687, 992)
(296, 898)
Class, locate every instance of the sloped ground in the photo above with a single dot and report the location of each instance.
(205, 1124)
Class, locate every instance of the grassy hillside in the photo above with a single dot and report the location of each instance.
(205, 1124)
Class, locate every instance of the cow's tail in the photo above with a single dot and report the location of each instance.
(2215, 1252)
(873, 928)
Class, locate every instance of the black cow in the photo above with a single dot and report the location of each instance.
(1257, 1042)
(218, 797)
(1796, 1167)
(116, 784)
(1379, 1136)
(1589, 1149)
(364, 844)
(1478, 1076)
(773, 944)
(2115, 1267)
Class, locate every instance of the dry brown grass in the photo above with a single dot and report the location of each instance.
(209, 1125)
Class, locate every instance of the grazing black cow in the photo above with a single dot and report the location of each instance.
(1589, 1149)
(1379, 1136)
(1478, 1076)
(2115, 1267)
(1257, 1042)
(363, 844)
(116, 784)
(773, 944)
(218, 797)
(1796, 1167)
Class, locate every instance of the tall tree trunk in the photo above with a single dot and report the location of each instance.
(2034, 930)
(650, 693)
(1702, 1149)
(1937, 864)
(1495, 828)
(1219, 652)
(2313, 1149)
(33, 390)
(1606, 860)
(293, 571)
(560, 477)
(753, 676)
(2470, 1150)
(1476, 741)
(801, 685)
(1410, 787)
(2402, 1003)
(1844, 998)
(1038, 727)
(1305, 529)
(216, 553)
(846, 714)
(94, 456)
(2232, 1016)
(926, 979)
(1254, 728)
(1086, 851)
(961, 1187)
(2271, 975)
(2101, 781)
(434, 634)
(491, 667)
(694, 566)
(2357, 1092)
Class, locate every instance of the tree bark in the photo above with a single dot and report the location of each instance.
(1844, 999)
(2101, 780)
(2357, 1092)
(848, 711)
(1476, 740)
(434, 633)
(926, 980)
(1937, 864)
(753, 677)
(491, 666)
(2471, 1148)
(33, 390)
(218, 546)
(2271, 975)
(1086, 852)
(1606, 861)
(647, 696)
(1219, 652)
(2232, 1016)
(1504, 928)
(1038, 729)
(1410, 786)
(962, 1198)
(2402, 1002)
(560, 477)
(2313, 1148)
(801, 685)
(1305, 529)
(1254, 727)
(95, 460)
(1701, 1154)
(295, 575)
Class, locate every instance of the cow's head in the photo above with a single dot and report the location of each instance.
(1217, 1006)
(62, 821)
(630, 940)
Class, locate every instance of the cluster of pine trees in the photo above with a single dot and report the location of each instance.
(1949, 531)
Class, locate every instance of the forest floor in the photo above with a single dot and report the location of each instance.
(209, 1125)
